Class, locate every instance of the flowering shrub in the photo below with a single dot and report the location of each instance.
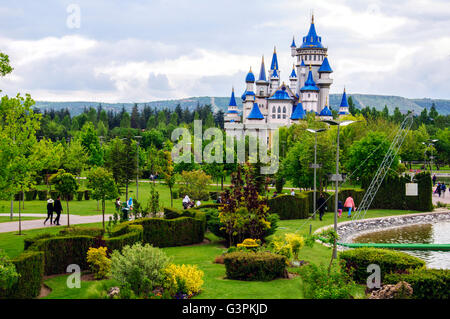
(249, 243)
(184, 280)
(289, 246)
(8, 273)
(140, 268)
(98, 262)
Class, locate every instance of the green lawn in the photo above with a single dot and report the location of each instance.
(6, 219)
(215, 286)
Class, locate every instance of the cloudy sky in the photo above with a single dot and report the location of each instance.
(137, 51)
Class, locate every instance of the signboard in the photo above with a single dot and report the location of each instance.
(412, 189)
(315, 165)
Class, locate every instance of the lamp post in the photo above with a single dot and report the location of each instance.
(336, 177)
(315, 166)
(431, 143)
(137, 165)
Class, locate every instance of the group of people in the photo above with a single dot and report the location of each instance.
(124, 208)
(440, 189)
(188, 203)
(54, 206)
(348, 204)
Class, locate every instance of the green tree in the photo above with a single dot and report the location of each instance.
(103, 187)
(168, 172)
(47, 156)
(195, 184)
(5, 67)
(66, 184)
(75, 157)
(91, 144)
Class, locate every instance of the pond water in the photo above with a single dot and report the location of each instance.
(435, 233)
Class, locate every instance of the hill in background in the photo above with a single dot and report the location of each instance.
(360, 100)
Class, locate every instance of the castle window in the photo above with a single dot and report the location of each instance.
(284, 109)
(273, 110)
(279, 109)
(314, 57)
(309, 95)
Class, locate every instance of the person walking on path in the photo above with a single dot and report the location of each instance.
(350, 204)
(443, 187)
(117, 203)
(340, 208)
(49, 211)
(321, 205)
(434, 180)
(438, 189)
(57, 208)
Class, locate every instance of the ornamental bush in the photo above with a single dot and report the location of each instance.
(42, 194)
(318, 283)
(8, 273)
(426, 283)
(355, 261)
(263, 266)
(184, 279)
(99, 264)
(139, 268)
(289, 207)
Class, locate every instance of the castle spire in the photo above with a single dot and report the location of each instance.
(262, 71)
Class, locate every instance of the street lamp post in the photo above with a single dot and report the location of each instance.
(431, 143)
(315, 166)
(336, 177)
(137, 165)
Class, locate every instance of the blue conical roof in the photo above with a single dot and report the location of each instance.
(326, 112)
(255, 113)
(312, 40)
(232, 99)
(303, 63)
(293, 74)
(299, 113)
(280, 95)
(250, 77)
(344, 102)
(274, 64)
(325, 67)
(275, 74)
(293, 43)
(262, 72)
(310, 85)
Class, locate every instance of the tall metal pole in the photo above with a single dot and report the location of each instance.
(315, 165)
(137, 171)
(336, 192)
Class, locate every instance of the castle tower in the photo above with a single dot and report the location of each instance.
(274, 81)
(325, 113)
(298, 113)
(249, 95)
(324, 82)
(310, 94)
(232, 114)
(344, 107)
(293, 47)
(262, 85)
(293, 80)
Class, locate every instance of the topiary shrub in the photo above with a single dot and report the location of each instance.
(30, 195)
(30, 267)
(171, 213)
(355, 261)
(289, 207)
(99, 263)
(249, 266)
(28, 241)
(60, 251)
(127, 235)
(80, 195)
(426, 283)
(87, 194)
(88, 231)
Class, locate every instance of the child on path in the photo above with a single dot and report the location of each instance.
(340, 207)
(350, 204)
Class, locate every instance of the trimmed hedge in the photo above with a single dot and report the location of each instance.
(80, 195)
(131, 235)
(61, 251)
(162, 232)
(30, 195)
(88, 231)
(356, 194)
(263, 266)
(87, 194)
(426, 283)
(289, 207)
(355, 262)
(30, 267)
(172, 213)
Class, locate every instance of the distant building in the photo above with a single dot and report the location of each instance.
(269, 103)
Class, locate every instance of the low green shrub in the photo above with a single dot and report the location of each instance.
(289, 207)
(30, 267)
(88, 231)
(30, 195)
(28, 241)
(262, 266)
(426, 283)
(171, 213)
(129, 235)
(213, 195)
(87, 194)
(8, 273)
(61, 251)
(139, 268)
(355, 261)
(319, 284)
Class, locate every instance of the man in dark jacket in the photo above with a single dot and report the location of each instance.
(57, 207)
(321, 206)
(49, 211)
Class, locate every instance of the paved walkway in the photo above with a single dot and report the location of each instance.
(445, 197)
(39, 223)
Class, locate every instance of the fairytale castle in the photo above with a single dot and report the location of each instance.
(269, 103)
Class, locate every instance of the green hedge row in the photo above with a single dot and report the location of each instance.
(289, 207)
(263, 266)
(426, 283)
(30, 267)
(133, 234)
(355, 261)
(356, 194)
(43, 195)
(392, 193)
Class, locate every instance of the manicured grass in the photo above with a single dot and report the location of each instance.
(215, 285)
